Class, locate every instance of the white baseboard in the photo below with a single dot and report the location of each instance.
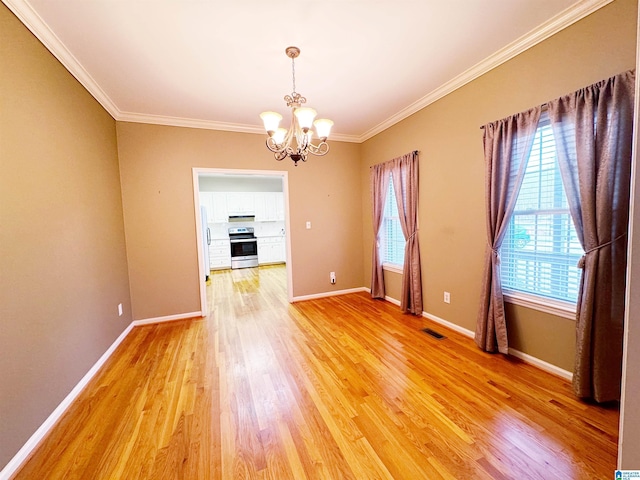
(531, 360)
(168, 318)
(328, 294)
(452, 326)
(541, 364)
(392, 300)
(23, 454)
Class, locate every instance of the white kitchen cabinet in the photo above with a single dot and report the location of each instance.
(279, 201)
(219, 254)
(265, 206)
(271, 250)
(269, 206)
(260, 207)
(280, 252)
(206, 201)
(216, 203)
(241, 203)
(219, 207)
(265, 203)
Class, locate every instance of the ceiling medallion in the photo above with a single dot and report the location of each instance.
(296, 142)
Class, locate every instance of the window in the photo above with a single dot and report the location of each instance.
(540, 250)
(392, 239)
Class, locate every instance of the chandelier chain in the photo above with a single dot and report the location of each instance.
(293, 72)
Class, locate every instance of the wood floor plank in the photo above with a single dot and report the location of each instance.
(342, 387)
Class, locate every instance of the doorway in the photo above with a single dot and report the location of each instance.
(261, 183)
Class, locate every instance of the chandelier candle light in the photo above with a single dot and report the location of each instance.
(281, 140)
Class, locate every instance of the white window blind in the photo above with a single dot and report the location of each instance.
(392, 242)
(540, 251)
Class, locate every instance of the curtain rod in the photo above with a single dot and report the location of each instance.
(543, 106)
(416, 152)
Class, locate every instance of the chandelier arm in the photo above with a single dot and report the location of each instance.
(318, 150)
(279, 156)
(271, 145)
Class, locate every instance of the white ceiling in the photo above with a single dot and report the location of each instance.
(218, 64)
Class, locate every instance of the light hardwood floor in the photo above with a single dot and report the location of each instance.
(336, 388)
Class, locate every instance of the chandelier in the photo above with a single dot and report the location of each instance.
(296, 142)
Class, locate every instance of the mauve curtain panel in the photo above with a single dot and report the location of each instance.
(404, 172)
(379, 187)
(593, 132)
(507, 144)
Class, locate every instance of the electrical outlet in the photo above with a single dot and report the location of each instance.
(308, 225)
(119, 309)
(332, 278)
(447, 297)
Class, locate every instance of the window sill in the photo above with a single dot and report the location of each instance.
(390, 267)
(546, 305)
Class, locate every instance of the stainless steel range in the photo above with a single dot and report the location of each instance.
(244, 247)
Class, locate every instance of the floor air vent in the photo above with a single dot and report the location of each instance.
(433, 333)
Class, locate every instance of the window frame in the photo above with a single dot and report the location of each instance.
(533, 300)
(552, 306)
(386, 265)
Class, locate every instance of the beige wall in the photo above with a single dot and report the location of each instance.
(447, 134)
(63, 267)
(156, 166)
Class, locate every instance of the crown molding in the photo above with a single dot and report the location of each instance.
(41, 30)
(561, 21)
(341, 137)
(188, 122)
(210, 125)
